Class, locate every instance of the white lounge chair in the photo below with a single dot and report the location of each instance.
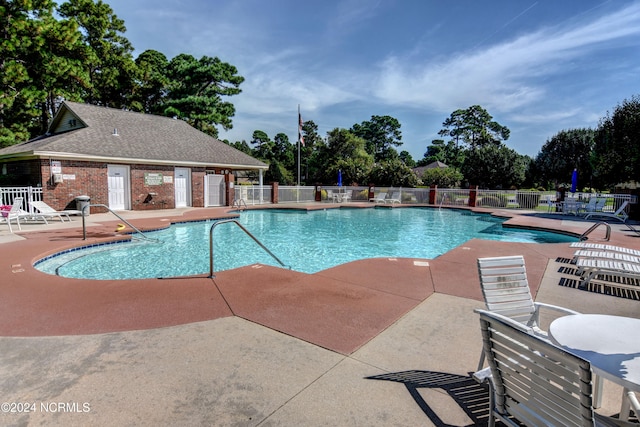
(48, 211)
(16, 214)
(379, 198)
(603, 254)
(505, 289)
(604, 247)
(590, 269)
(590, 207)
(620, 214)
(395, 198)
(534, 381)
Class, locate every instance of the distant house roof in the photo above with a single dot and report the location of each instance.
(420, 170)
(93, 133)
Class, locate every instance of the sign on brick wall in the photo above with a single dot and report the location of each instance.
(153, 179)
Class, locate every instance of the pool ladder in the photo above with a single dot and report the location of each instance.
(593, 227)
(84, 225)
(224, 221)
(240, 204)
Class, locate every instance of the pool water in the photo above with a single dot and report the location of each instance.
(307, 241)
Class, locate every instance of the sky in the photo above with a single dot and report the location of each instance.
(538, 67)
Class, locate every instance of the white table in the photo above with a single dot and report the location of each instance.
(610, 343)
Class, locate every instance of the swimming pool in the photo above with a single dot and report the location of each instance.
(308, 241)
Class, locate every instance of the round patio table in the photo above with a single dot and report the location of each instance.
(610, 343)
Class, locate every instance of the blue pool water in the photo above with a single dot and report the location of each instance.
(307, 241)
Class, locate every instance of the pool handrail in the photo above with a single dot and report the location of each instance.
(224, 221)
(84, 225)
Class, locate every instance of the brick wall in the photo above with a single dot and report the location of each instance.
(145, 196)
(197, 187)
(91, 179)
(79, 179)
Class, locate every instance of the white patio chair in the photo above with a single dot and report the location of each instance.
(14, 214)
(532, 381)
(570, 207)
(505, 289)
(379, 198)
(551, 203)
(395, 198)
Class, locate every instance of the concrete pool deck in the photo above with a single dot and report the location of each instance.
(373, 342)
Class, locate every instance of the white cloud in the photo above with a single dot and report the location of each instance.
(506, 76)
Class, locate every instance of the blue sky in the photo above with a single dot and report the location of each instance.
(538, 67)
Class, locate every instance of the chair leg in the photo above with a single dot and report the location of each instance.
(629, 402)
(597, 391)
(481, 363)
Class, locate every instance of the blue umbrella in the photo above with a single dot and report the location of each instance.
(339, 178)
(574, 180)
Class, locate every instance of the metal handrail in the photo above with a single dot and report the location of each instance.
(224, 221)
(593, 227)
(238, 203)
(84, 225)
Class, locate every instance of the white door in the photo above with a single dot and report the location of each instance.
(214, 190)
(118, 187)
(182, 184)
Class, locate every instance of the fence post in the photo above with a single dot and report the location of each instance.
(433, 192)
(473, 196)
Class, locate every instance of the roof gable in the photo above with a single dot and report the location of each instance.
(94, 132)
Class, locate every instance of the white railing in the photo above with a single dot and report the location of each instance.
(29, 194)
(496, 199)
(254, 194)
(295, 194)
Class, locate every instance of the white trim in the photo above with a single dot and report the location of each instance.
(89, 158)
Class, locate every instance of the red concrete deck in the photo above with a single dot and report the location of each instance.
(340, 309)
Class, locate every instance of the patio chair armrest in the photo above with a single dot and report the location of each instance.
(483, 376)
(556, 308)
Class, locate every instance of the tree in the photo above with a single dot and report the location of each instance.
(240, 145)
(381, 134)
(284, 151)
(447, 153)
(617, 144)
(109, 62)
(346, 152)
(494, 166)
(262, 145)
(442, 177)
(407, 159)
(312, 141)
(473, 127)
(196, 90)
(394, 173)
(151, 82)
(41, 61)
(565, 151)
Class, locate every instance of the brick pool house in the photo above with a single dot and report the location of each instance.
(126, 161)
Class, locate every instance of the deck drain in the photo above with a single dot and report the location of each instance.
(421, 263)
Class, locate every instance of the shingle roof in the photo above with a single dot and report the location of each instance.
(141, 138)
(420, 169)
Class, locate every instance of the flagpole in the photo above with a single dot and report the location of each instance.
(298, 125)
